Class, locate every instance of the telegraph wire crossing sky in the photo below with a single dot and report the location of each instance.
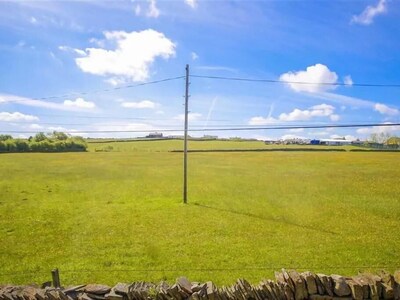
(97, 56)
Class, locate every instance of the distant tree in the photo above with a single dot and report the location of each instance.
(40, 137)
(10, 145)
(5, 137)
(21, 145)
(58, 135)
(3, 146)
(393, 141)
(379, 138)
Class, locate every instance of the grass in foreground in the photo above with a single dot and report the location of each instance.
(118, 216)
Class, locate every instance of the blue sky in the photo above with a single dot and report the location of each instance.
(56, 48)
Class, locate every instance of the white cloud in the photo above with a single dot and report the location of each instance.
(347, 80)
(191, 3)
(369, 13)
(386, 110)
(74, 50)
(16, 116)
(153, 11)
(262, 121)
(191, 117)
(57, 128)
(35, 126)
(194, 55)
(6, 98)
(80, 103)
(140, 104)
(318, 73)
(379, 129)
(321, 110)
(132, 58)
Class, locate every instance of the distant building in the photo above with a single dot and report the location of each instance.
(210, 137)
(155, 135)
(335, 142)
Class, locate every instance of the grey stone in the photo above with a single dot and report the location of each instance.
(61, 295)
(396, 287)
(96, 296)
(52, 295)
(74, 288)
(185, 284)
(194, 296)
(210, 288)
(265, 287)
(7, 296)
(309, 278)
(98, 289)
(84, 296)
(364, 285)
(121, 288)
(341, 288)
(196, 287)
(300, 289)
(320, 285)
(387, 292)
(173, 291)
(327, 282)
(287, 291)
(356, 289)
(288, 280)
(113, 296)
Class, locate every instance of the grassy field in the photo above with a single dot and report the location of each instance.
(117, 216)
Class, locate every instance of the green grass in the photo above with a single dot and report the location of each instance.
(117, 216)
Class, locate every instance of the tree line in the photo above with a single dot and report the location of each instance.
(41, 142)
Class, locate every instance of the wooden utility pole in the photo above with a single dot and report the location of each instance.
(185, 150)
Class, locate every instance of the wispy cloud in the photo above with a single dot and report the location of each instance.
(140, 105)
(18, 100)
(369, 13)
(153, 11)
(386, 110)
(191, 3)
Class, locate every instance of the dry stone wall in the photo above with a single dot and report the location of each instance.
(288, 285)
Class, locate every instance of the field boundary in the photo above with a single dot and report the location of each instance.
(288, 285)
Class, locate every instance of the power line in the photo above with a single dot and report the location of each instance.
(223, 129)
(98, 91)
(297, 82)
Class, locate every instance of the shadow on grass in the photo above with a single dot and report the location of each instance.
(250, 215)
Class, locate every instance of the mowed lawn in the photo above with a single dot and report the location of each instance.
(118, 216)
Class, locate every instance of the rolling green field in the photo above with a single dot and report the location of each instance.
(118, 216)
